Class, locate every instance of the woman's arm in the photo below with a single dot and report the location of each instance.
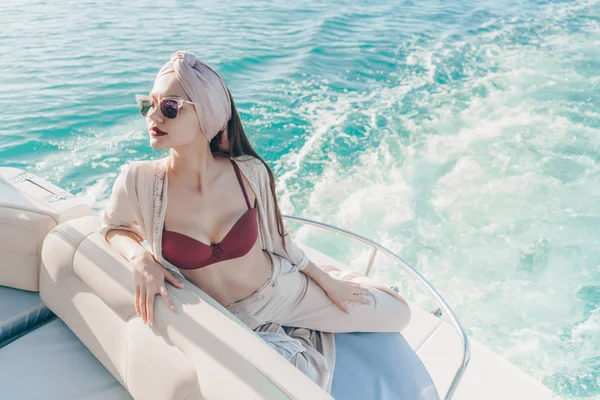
(122, 210)
(120, 218)
(121, 223)
(127, 243)
(337, 290)
(316, 273)
(148, 275)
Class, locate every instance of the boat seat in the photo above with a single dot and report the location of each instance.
(20, 311)
(29, 208)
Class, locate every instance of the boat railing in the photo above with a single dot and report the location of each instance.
(376, 248)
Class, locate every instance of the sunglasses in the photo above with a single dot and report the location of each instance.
(169, 106)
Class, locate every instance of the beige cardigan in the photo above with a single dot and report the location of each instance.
(138, 204)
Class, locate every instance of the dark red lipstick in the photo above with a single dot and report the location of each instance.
(157, 132)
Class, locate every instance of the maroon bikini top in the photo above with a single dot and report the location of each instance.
(188, 253)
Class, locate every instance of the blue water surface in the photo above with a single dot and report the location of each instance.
(463, 135)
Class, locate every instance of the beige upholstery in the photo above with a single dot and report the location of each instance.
(29, 208)
(201, 351)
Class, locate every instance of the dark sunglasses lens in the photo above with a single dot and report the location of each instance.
(144, 106)
(169, 108)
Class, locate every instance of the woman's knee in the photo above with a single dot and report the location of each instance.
(394, 310)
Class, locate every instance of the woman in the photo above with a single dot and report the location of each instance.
(210, 214)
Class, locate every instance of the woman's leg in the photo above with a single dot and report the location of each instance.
(296, 300)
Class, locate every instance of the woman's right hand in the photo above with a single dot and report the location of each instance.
(149, 280)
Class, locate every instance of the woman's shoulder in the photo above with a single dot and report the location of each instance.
(145, 170)
(251, 163)
(254, 169)
(150, 166)
(246, 158)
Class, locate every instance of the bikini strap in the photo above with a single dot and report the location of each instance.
(239, 177)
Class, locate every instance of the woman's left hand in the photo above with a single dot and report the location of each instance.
(339, 291)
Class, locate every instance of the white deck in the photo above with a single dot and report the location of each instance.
(488, 376)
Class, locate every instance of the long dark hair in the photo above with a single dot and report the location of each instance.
(240, 145)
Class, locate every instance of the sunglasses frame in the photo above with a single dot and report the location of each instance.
(180, 102)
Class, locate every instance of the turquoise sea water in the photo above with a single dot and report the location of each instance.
(462, 135)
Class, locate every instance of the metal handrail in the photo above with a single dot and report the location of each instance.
(438, 297)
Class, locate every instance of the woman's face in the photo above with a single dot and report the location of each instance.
(181, 130)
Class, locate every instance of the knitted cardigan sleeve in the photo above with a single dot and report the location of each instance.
(122, 210)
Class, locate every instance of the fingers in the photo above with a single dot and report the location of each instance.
(174, 281)
(150, 307)
(359, 299)
(143, 303)
(359, 289)
(342, 306)
(150, 280)
(165, 295)
(362, 300)
(358, 294)
(136, 301)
